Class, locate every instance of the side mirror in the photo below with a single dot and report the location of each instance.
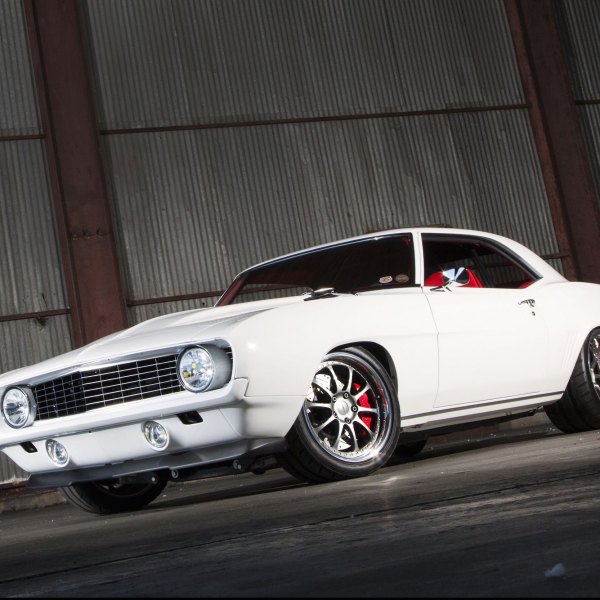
(456, 277)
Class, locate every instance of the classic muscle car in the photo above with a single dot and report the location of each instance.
(326, 361)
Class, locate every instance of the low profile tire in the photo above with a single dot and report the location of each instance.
(349, 423)
(107, 497)
(579, 408)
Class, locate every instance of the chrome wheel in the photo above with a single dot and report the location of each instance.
(349, 423)
(348, 411)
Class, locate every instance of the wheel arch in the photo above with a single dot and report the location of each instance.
(379, 352)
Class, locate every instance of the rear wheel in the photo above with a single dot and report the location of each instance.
(349, 423)
(111, 496)
(579, 408)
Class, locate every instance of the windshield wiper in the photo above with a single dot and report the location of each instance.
(325, 292)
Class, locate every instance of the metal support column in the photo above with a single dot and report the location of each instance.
(75, 168)
(561, 146)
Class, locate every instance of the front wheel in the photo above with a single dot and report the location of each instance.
(112, 496)
(350, 421)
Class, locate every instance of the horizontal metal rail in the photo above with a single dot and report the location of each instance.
(319, 119)
(42, 314)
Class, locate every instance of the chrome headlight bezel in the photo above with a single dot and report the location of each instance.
(24, 400)
(216, 362)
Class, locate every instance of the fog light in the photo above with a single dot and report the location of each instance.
(57, 452)
(156, 435)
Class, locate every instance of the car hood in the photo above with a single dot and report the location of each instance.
(169, 331)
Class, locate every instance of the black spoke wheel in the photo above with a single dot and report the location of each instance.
(112, 496)
(349, 423)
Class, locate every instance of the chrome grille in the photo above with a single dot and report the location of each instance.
(116, 384)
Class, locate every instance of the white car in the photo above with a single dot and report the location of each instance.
(326, 362)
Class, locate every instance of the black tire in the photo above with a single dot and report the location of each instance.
(579, 408)
(408, 451)
(107, 497)
(350, 421)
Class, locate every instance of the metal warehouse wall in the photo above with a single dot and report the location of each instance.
(579, 23)
(237, 130)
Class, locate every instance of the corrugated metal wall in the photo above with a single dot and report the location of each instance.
(579, 23)
(236, 130)
(177, 62)
(30, 271)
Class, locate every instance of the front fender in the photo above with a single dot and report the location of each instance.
(279, 351)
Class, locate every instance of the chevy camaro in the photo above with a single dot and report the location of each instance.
(326, 361)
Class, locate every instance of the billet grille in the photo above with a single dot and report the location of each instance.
(116, 384)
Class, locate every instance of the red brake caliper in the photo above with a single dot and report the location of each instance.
(363, 401)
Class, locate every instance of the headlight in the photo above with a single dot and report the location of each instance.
(18, 407)
(196, 369)
(204, 368)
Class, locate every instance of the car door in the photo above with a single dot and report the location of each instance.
(491, 331)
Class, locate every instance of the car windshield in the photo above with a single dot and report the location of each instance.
(364, 265)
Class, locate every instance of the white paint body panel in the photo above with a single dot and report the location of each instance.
(477, 331)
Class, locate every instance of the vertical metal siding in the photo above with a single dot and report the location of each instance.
(28, 341)
(590, 121)
(579, 25)
(195, 207)
(30, 270)
(18, 104)
(165, 63)
(9, 472)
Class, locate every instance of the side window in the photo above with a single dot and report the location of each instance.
(471, 263)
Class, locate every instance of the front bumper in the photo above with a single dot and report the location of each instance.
(110, 442)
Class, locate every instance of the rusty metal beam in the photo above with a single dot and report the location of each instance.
(320, 119)
(557, 131)
(41, 314)
(76, 172)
